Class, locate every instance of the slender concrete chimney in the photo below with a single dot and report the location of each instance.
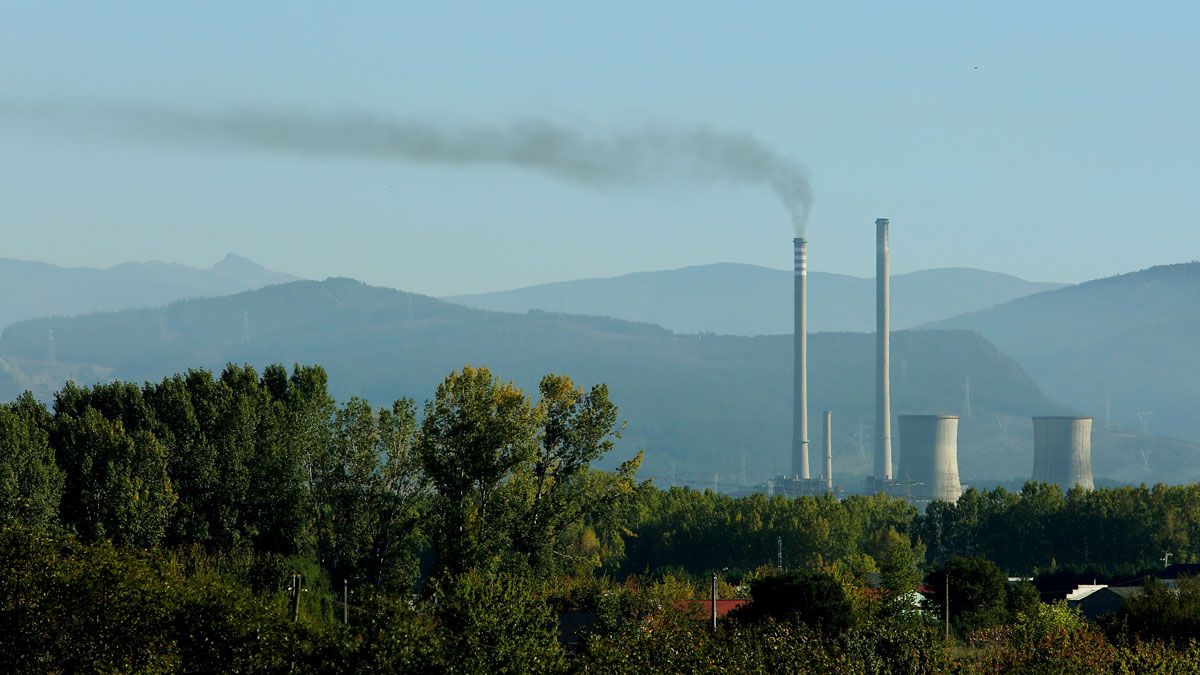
(800, 362)
(883, 382)
(828, 451)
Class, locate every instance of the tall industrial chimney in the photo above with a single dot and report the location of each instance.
(883, 384)
(800, 362)
(828, 451)
(1062, 451)
(929, 455)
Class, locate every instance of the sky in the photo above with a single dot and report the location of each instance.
(1053, 141)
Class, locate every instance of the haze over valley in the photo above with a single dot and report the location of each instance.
(708, 409)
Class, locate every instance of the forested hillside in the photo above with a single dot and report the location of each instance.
(1126, 343)
(738, 299)
(699, 404)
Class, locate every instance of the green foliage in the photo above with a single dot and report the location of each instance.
(497, 623)
(1022, 598)
(30, 480)
(1108, 531)
(813, 598)
(1165, 613)
(1037, 621)
(366, 487)
(673, 642)
(512, 479)
(476, 432)
(704, 531)
(977, 593)
(899, 564)
(65, 607)
(117, 485)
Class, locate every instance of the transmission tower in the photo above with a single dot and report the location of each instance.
(967, 397)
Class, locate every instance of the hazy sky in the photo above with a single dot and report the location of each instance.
(1055, 141)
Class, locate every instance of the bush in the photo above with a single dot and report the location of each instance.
(497, 623)
(813, 598)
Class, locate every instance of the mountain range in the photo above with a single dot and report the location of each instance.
(738, 299)
(706, 409)
(1125, 349)
(49, 290)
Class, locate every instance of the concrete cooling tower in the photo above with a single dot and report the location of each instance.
(1062, 451)
(929, 456)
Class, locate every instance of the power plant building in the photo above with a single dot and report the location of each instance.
(1062, 451)
(929, 456)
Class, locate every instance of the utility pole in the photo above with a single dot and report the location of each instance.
(779, 553)
(295, 597)
(345, 602)
(714, 601)
(946, 604)
(1166, 559)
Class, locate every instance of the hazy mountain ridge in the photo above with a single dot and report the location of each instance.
(695, 403)
(1127, 343)
(739, 299)
(50, 290)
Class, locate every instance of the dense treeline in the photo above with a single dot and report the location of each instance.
(1110, 532)
(270, 464)
(698, 532)
(157, 528)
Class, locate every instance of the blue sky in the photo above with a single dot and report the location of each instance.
(1054, 141)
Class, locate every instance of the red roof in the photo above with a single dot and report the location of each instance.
(702, 609)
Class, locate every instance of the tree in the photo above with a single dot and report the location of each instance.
(898, 563)
(403, 489)
(576, 429)
(30, 481)
(814, 598)
(368, 484)
(476, 432)
(289, 419)
(116, 484)
(1164, 613)
(977, 592)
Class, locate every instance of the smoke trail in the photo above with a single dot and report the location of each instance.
(634, 156)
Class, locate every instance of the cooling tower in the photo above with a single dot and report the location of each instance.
(883, 384)
(929, 455)
(828, 451)
(800, 361)
(1062, 451)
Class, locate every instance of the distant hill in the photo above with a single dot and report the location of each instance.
(700, 405)
(49, 290)
(736, 299)
(1129, 344)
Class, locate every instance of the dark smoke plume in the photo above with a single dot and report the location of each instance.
(630, 156)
